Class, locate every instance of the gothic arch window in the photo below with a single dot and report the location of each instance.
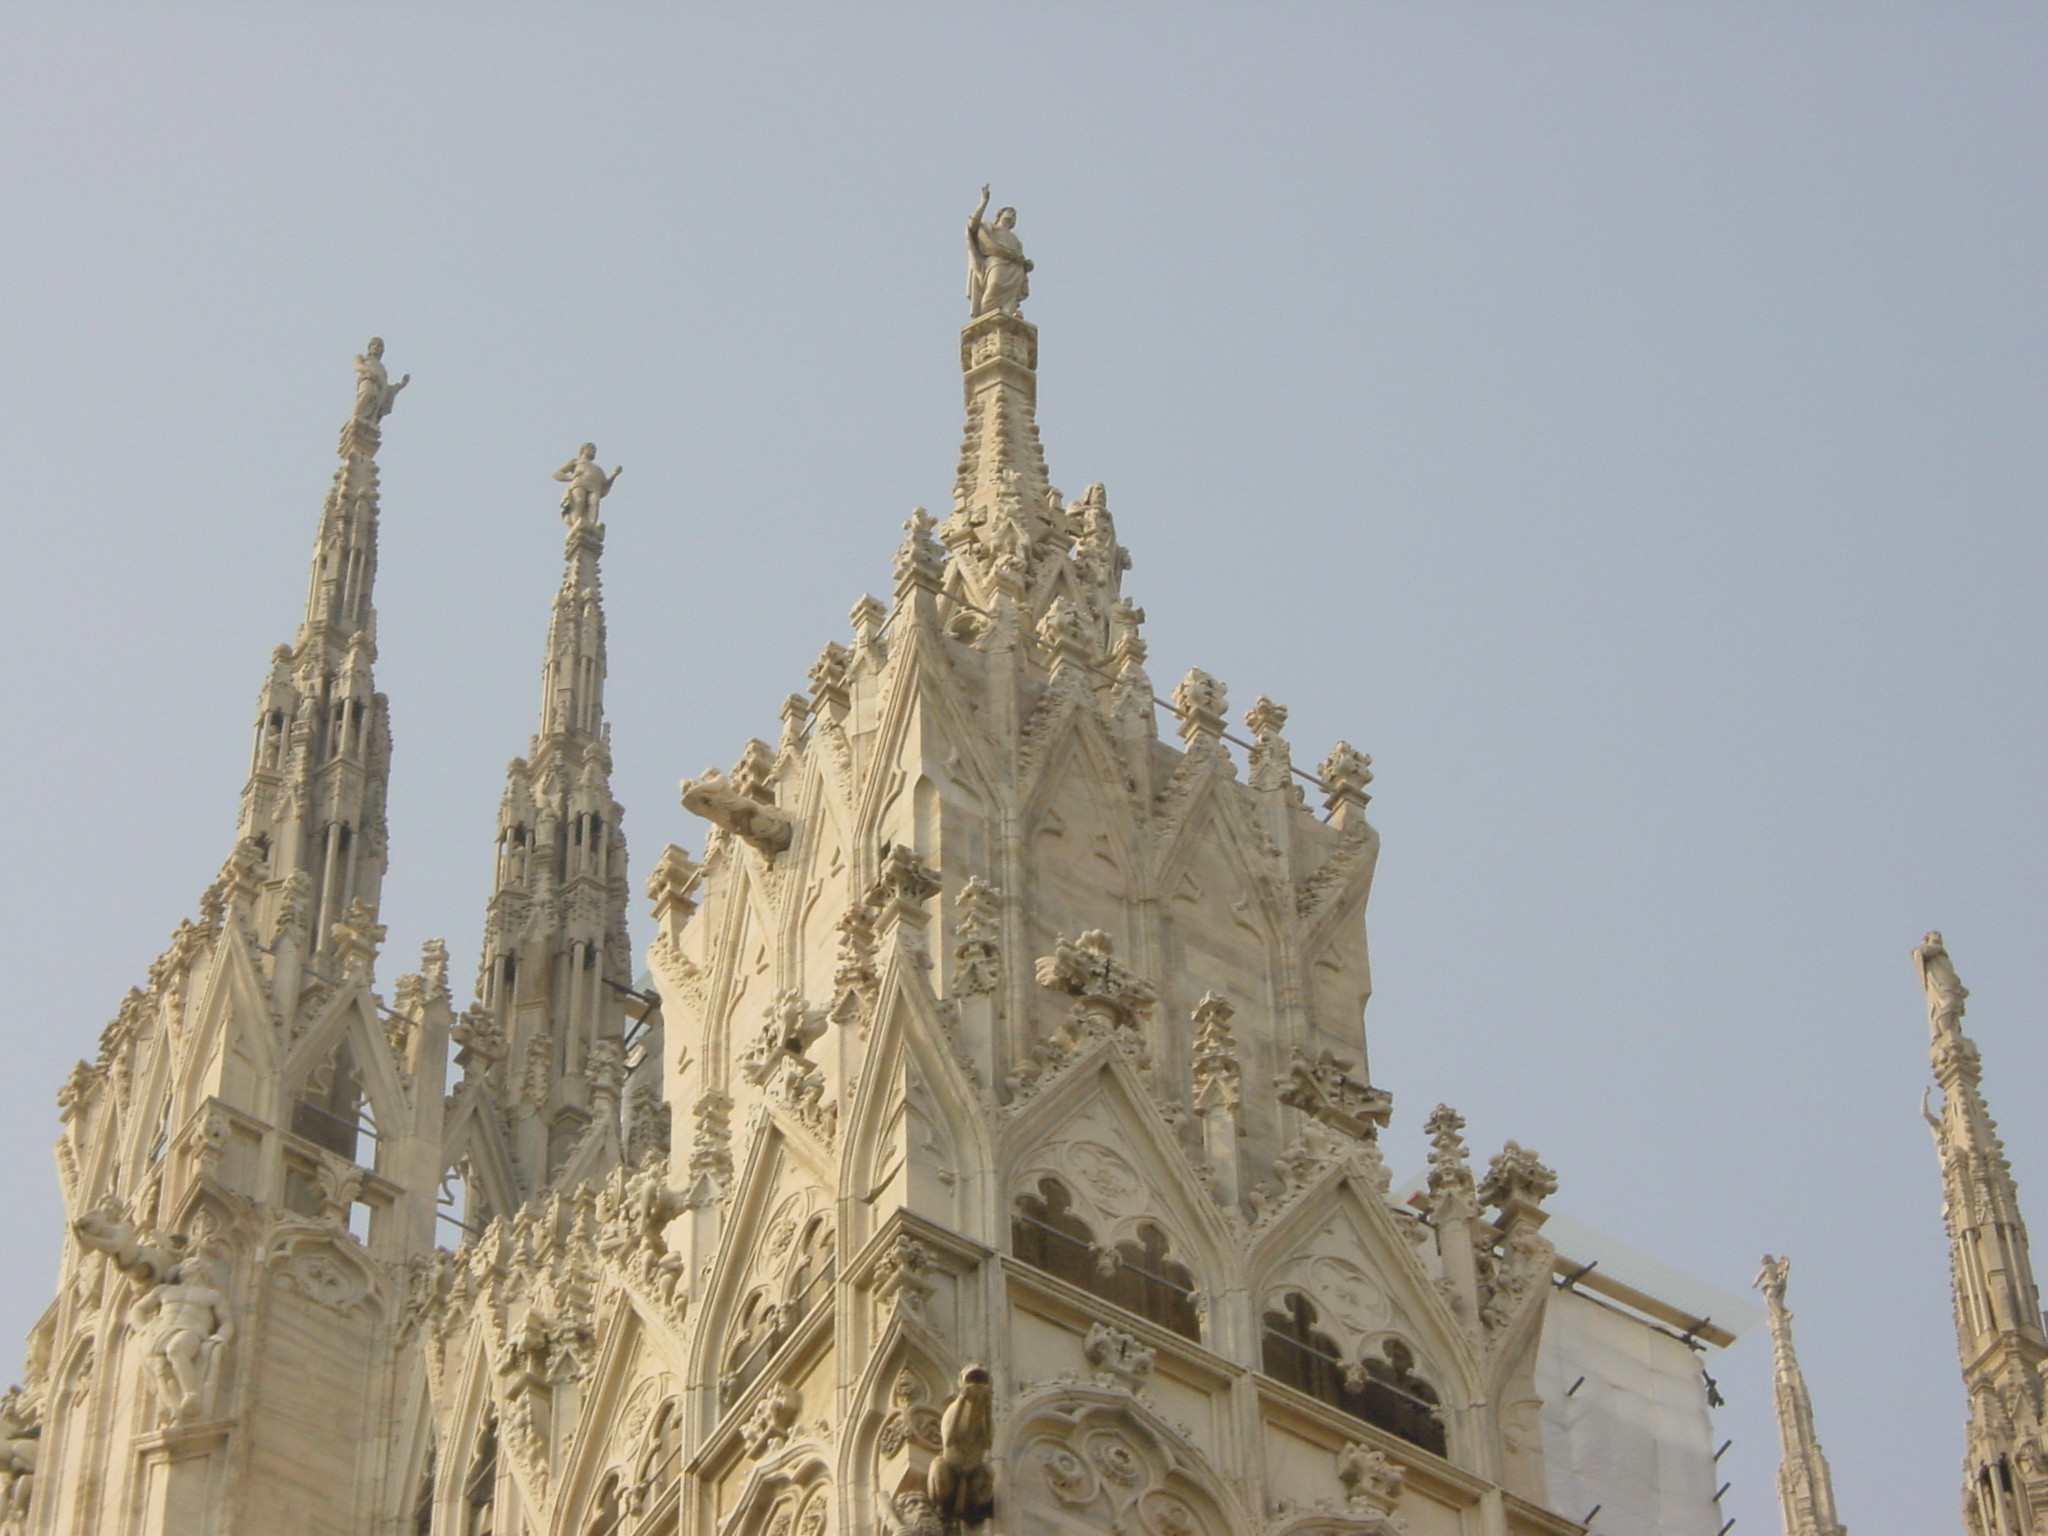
(423, 1504)
(328, 1110)
(1384, 1391)
(661, 1465)
(811, 1275)
(480, 1488)
(608, 1512)
(758, 1332)
(1137, 1274)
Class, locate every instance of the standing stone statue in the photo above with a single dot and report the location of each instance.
(1945, 990)
(588, 485)
(374, 390)
(958, 1482)
(997, 273)
(187, 1325)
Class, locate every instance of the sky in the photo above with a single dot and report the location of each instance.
(1624, 422)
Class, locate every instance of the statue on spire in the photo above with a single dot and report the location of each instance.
(374, 390)
(1945, 990)
(588, 485)
(997, 272)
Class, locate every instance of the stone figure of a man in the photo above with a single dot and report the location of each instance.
(588, 484)
(997, 273)
(186, 1323)
(374, 390)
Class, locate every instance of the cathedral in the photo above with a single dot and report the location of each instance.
(984, 1141)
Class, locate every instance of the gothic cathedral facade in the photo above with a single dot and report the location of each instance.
(983, 1142)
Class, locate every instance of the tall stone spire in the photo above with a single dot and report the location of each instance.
(555, 961)
(1806, 1489)
(320, 766)
(1999, 1335)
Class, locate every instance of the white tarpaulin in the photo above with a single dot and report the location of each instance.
(1625, 1424)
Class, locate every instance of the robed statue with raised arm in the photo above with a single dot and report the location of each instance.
(997, 273)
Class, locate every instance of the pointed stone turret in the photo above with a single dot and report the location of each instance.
(254, 1156)
(555, 963)
(1806, 1489)
(1999, 1334)
(320, 767)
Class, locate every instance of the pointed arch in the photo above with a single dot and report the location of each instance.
(910, 1071)
(1096, 1131)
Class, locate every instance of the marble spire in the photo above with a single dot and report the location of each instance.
(1999, 1336)
(555, 957)
(1806, 1489)
(320, 766)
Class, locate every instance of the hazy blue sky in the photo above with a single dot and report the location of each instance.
(1625, 422)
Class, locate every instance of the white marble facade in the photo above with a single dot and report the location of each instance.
(996, 1149)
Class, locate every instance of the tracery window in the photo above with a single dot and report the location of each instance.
(1136, 1275)
(607, 1514)
(423, 1505)
(480, 1489)
(662, 1464)
(1385, 1391)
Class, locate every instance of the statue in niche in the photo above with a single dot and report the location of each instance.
(186, 1323)
(588, 485)
(959, 1483)
(997, 273)
(1945, 990)
(374, 390)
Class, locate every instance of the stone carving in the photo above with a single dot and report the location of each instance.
(775, 1062)
(765, 826)
(1516, 1185)
(961, 1486)
(20, 1443)
(1087, 968)
(1117, 1354)
(185, 1326)
(710, 1166)
(375, 393)
(1345, 773)
(911, 1418)
(1217, 1074)
(977, 955)
(998, 276)
(146, 1261)
(1321, 1086)
(914, 1515)
(768, 1423)
(1200, 701)
(1945, 990)
(855, 977)
(588, 484)
(901, 1286)
(1373, 1483)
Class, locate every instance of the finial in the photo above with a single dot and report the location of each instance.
(997, 273)
(588, 485)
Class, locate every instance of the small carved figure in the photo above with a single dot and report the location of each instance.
(997, 273)
(186, 1325)
(712, 796)
(1945, 990)
(961, 1486)
(108, 1231)
(374, 390)
(19, 1447)
(588, 485)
